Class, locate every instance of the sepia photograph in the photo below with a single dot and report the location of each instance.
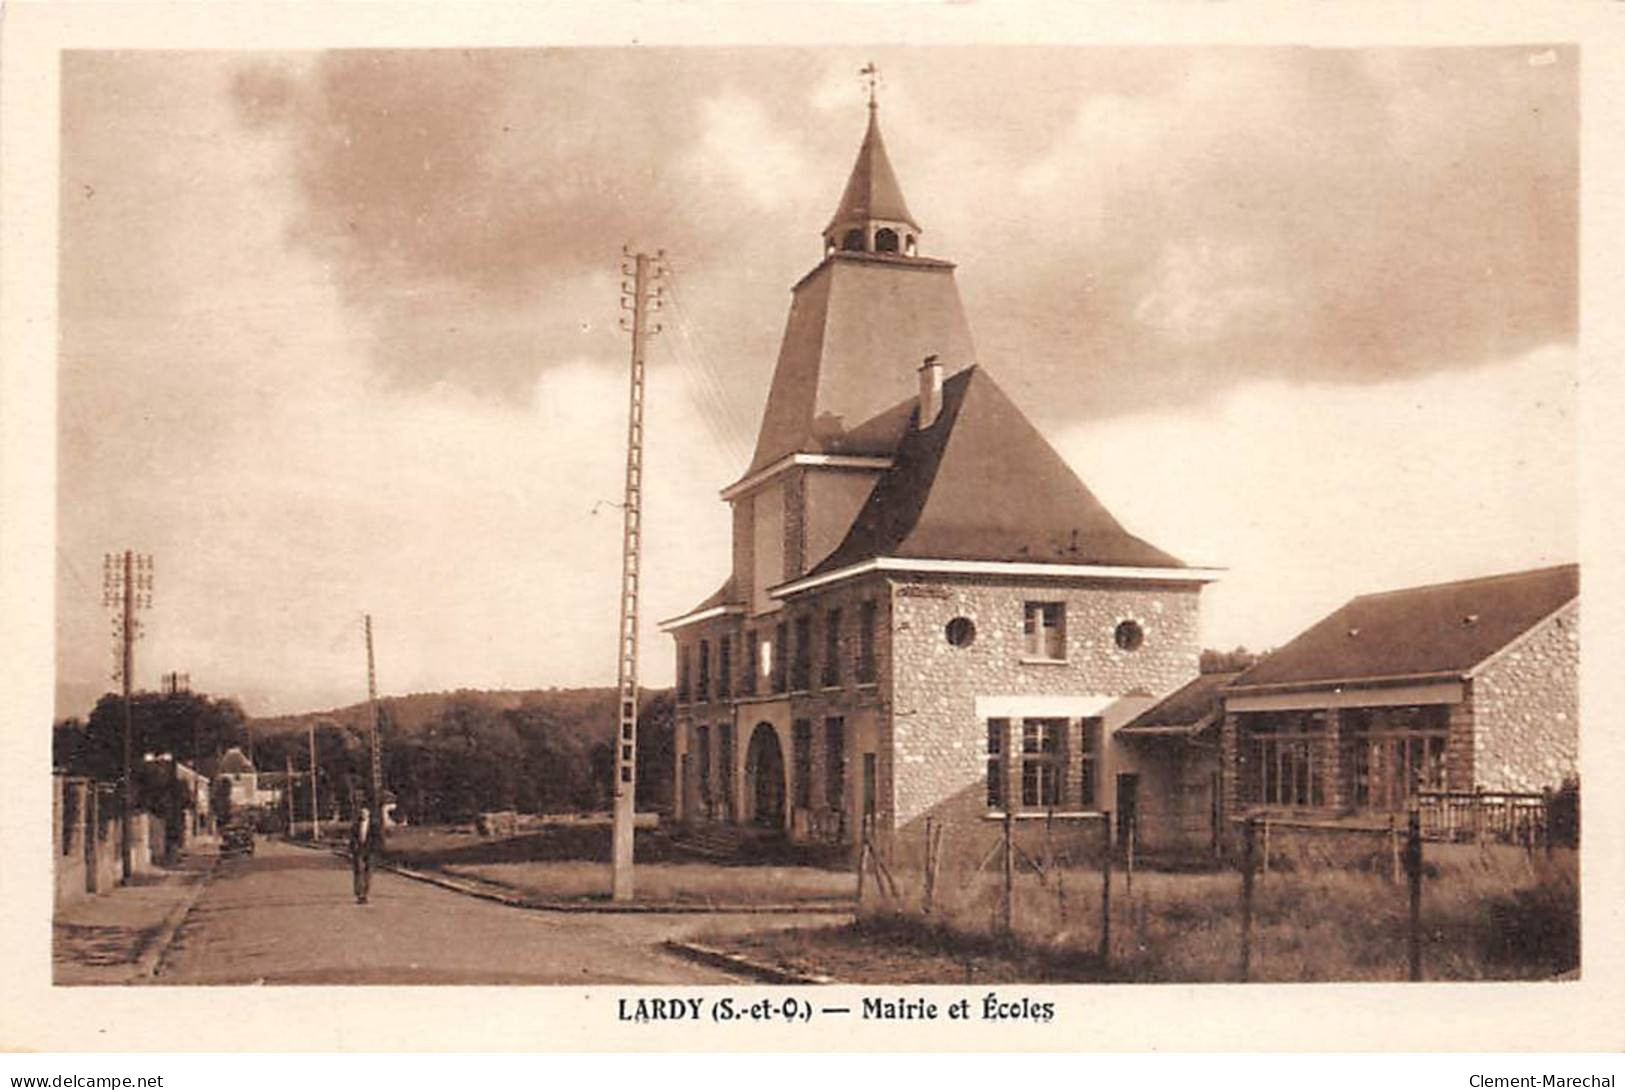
(906, 526)
(1147, 552)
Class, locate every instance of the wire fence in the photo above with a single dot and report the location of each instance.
(1289, 900)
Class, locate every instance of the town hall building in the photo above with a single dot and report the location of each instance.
(926, 612)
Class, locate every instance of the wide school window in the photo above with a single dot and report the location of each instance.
(1041, 762)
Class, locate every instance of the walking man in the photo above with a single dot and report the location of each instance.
(363, 846)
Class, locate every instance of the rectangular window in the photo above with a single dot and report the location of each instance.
(781, 636)
(871, 788)
(835, 763)
(1289, 751)
(867, 613)
(682, 674)
(1044, 629)
(832, 649)
(702, 742)
(1041, 762)
(1397, 753)
(753, 663)
(704, 688)
(801, 678)
(725, 767)
(1088, 763)
(997, 731)
(725, 666)
(801, 746)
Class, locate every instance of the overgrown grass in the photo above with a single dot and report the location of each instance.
(1495, 914)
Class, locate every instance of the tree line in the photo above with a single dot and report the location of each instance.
(551, 753)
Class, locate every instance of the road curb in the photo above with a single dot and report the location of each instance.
(486, 892)
(153, 955)
(647, 908)
(739, 963)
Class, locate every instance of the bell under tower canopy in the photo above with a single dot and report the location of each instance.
(872, 217)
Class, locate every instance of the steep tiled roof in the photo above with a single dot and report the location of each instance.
(1183, 709)
(872, 192)
(981, 483)
(725, 595)
(858, 327)
(722, 596)
(1438, 629)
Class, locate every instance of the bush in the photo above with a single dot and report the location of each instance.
(1563, 814)
(1537, 925)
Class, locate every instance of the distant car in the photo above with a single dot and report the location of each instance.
(238, 839)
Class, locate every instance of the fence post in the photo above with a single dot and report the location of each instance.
(1008, 920)
(1546, 799)
(863, 861)
(1248, 833)
(930, 870)
(1393, 849)
(1128, 867)
(1106, 889)
(1478, 816)
(1413, 870)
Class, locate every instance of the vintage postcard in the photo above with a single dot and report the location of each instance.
(840, 526)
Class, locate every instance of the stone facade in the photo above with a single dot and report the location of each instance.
(897, 730)
(858, 704)
(911, 719)
(940, 739)
(1526, 709)
(1510, 724)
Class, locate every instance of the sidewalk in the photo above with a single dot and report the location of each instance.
(117, 937)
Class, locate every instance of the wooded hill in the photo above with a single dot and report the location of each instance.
(450, 755)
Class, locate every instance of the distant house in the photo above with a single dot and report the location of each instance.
(1451, 687)
(197, 789)
(238, 770)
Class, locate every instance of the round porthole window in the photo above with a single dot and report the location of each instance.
(1129, 635)
(961, 631)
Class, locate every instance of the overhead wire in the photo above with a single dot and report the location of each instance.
(719, 414)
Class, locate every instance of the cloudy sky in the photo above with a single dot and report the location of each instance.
(338, 330)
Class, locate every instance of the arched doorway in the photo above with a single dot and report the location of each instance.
(764, 769)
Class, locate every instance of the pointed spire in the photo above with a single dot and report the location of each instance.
(872, 192)
(872, 217)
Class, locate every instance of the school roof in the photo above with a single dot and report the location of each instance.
(981, 483)
(1183, 712)
(1444, 628)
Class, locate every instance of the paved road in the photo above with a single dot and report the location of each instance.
(287, 916)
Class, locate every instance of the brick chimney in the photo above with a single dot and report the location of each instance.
(930, 391)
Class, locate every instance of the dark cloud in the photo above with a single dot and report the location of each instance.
(465, 198)
(1313, 215)
(1211, 216)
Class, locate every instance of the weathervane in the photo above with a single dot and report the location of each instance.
(871, 75)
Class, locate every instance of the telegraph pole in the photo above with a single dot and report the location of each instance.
(127, 586)
(635, 297)
(315, 816)
(377, 772)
